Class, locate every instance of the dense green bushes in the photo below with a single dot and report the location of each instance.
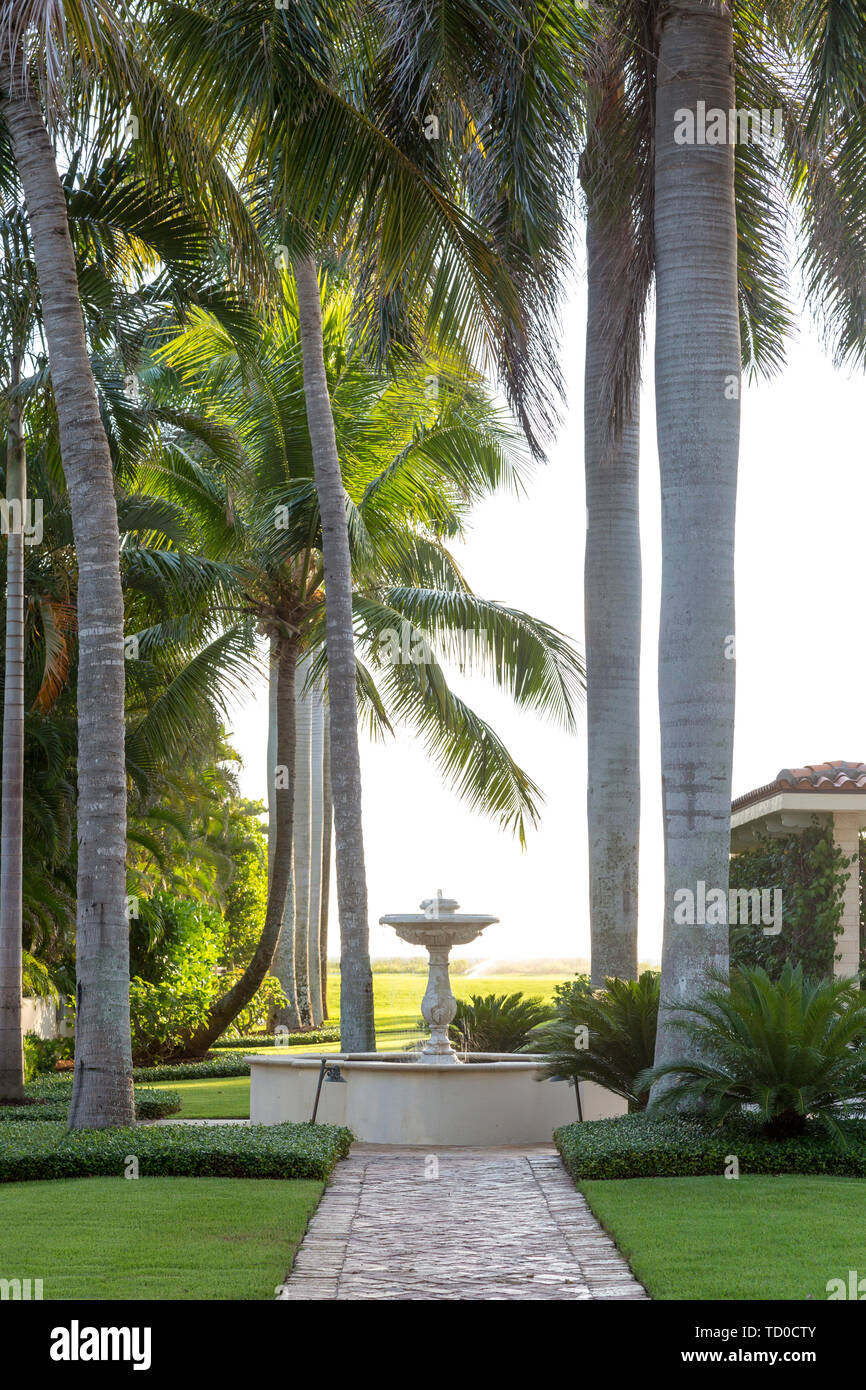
(810, 870)
(607, 1037)
(41, 1150)
(638, 1146)
(789, 1048)
(313, 1037)
(55, 1092)
(497, 1022)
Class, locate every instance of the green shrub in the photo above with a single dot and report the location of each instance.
(641, 1146)
(789, 1048)
(55, 1093)
(608, 1036)
(497, 1022)
(42, 1054)
(810, 871)
(313, 1037)
(38, 1151)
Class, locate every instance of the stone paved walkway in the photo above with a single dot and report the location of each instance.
(456, 1224)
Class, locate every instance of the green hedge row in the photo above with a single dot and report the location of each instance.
(634, 1146)
(45, 1150)
(55, 1093)
(231, 1064)
(314, 1037)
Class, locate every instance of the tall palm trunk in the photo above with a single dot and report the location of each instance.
(283, 964)
(327, 822)
(697, 407)
(357, 1028)
(11, 839)
(314, 917)
(227, 1008)
(103, 1059)
(301, 847)
(612, 603)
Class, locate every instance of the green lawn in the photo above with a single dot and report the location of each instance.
(744, 1238)
(398, 1009)
(154, 1238)
(398, 999)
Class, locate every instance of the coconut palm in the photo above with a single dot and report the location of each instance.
(411, 467)
(347, 179)
(77, 65)
(16, 330)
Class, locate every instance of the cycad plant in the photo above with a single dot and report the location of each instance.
(790, 1049)
(607, 1036)
(497, 1022)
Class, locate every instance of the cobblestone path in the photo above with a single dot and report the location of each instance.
(456, 1224)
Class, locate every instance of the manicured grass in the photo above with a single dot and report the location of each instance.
(746, 1238)
(398, 1009)
(225, 1099)
(154, 1238)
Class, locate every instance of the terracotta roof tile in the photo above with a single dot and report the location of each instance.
(838, 776)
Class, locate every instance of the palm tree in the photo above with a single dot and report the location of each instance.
(358, 1031)
(60, 63)
(103, 1084)
(400, 453)
(327, 828)
(350, 180)
(618, 270)
(12, 841)
(317, 811)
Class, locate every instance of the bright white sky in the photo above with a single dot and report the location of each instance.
(801, 662)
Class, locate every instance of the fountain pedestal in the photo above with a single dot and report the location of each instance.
(437, 928)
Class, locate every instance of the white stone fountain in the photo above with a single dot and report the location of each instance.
(437, 928)
(431, 1096)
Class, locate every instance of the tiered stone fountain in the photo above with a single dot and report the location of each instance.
(432, 1095)
(437, 928)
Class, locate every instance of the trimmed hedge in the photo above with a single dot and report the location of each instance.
(44, 1150)
(231, 1064)
(55, 1093)
(635, 1146)
(314, 1037)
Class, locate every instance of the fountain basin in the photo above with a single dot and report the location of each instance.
(395, 1098)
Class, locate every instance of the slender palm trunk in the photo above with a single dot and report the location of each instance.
(283, 964)
(103, 1057)
(356, 980)
(327, 822)
(301, 847)
(230, 1004)
(697, 396)
(314, 962)
(612, 603)
(11, 839)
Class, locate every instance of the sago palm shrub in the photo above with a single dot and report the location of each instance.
(607, 1036)
(789, 1049)
(497, 1022)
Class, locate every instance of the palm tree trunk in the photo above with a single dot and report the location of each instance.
(357, 1029)
(11, 838)
(327, 822)
(283, 964)
(227, 1008)
(697, 407)
(314, 918)
(103, 1055)
(301, 848)
(612, 604)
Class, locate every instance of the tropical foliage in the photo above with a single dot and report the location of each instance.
(497, 1022)
(788, 1049)
(607, 1036)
